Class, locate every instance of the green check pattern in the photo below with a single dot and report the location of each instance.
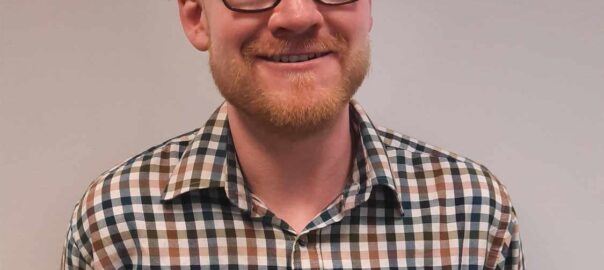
(184, 204)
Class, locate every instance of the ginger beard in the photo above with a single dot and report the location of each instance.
(301, 109)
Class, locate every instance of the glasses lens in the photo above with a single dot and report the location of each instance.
(337, 2)
(250, 5)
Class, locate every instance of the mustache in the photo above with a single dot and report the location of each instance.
(253, 48)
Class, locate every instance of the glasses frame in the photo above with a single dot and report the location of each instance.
(225, 2)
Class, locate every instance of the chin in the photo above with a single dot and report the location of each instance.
(294, 111)
(294, 103)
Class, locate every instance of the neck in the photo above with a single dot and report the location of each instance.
(295, 177)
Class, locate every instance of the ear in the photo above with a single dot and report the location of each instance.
(193, 20)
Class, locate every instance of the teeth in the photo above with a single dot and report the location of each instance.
(296, 58)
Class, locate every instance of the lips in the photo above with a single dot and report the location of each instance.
(294, 58)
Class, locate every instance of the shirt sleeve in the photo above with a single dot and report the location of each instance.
(513, 257)
(505, 252)
(73, 255)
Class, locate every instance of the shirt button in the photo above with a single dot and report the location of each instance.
(302, 242)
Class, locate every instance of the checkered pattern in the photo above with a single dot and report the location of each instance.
(185, 205)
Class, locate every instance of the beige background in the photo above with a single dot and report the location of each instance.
(516, 85)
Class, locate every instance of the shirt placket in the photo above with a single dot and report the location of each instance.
(305, 252)
(306, 247)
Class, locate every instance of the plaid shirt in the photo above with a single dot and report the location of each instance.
(184, 204)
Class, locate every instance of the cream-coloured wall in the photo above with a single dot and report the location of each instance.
(516, 85)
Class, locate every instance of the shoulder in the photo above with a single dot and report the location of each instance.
(433, 175)
(122, 192)
(404, 144)
(437, 185)
(146, 170)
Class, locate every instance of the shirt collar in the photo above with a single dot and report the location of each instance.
(209, 161)
(372, 162)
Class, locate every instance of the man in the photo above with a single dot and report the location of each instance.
(290, 173)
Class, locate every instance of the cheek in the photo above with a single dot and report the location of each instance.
(361, 25)
(221, 35)
(230, 34)
(355, 27)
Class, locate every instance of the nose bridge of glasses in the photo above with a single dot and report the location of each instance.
(297, 8)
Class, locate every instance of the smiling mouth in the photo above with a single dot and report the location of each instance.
(294, 58)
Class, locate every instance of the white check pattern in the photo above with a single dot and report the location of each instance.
(184, 204)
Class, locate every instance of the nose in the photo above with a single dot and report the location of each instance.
(295, 17)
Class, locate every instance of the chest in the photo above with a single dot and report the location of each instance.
(372, 236)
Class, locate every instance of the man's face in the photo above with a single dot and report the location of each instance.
(292, 68)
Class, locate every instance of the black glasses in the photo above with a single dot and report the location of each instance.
(250, 6)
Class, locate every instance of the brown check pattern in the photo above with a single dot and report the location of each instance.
(184, 204)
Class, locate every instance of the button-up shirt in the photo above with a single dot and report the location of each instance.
(184, 204)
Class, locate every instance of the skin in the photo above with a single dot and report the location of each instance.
(289, 121)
